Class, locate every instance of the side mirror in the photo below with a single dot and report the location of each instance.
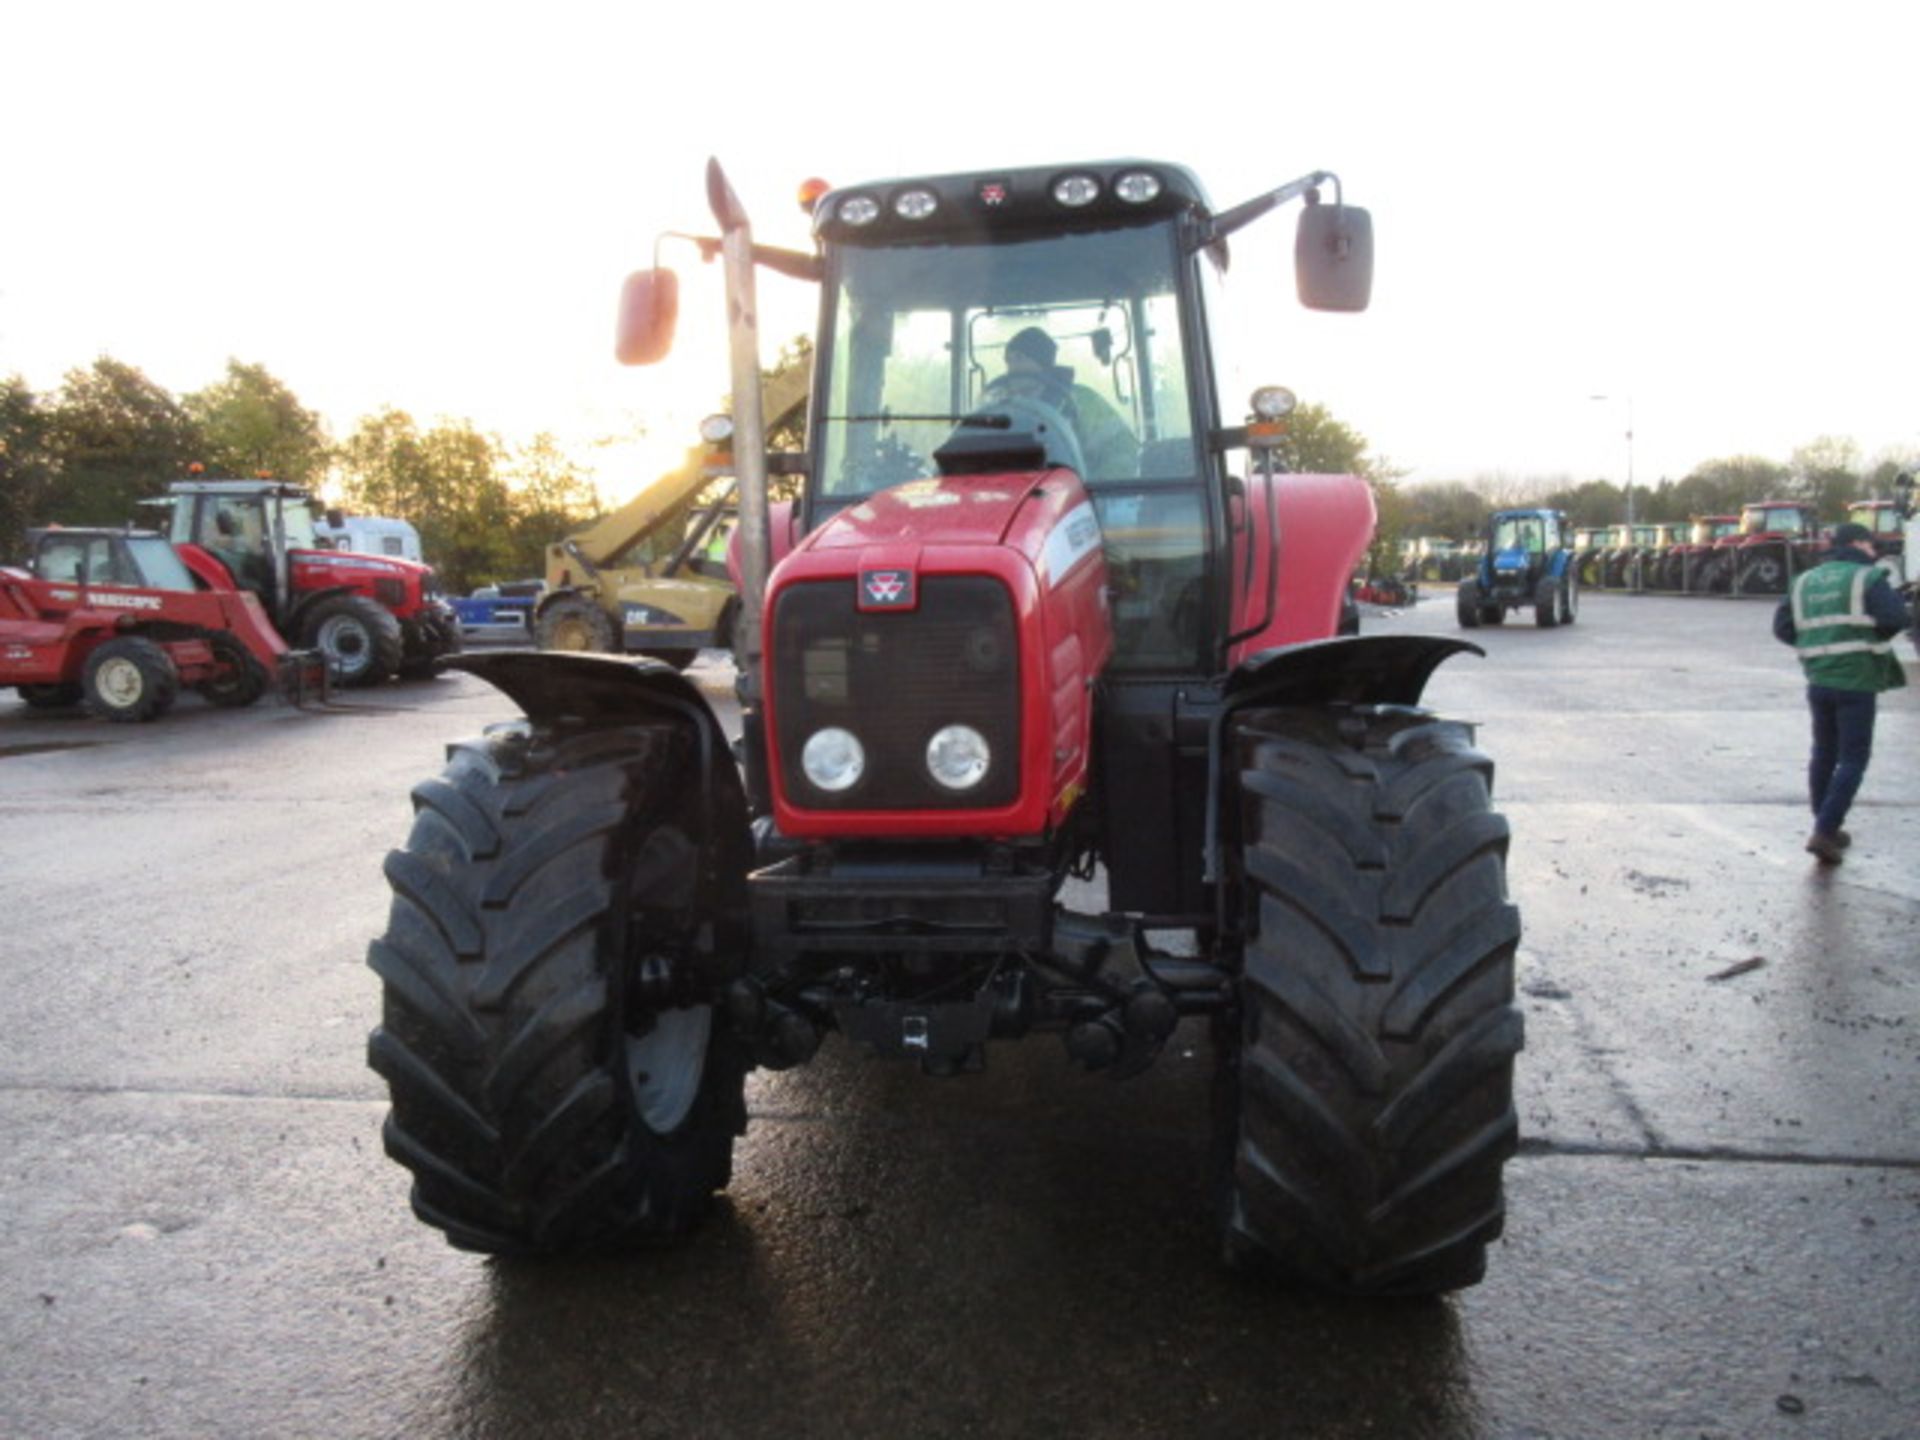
(649, 306)
(1333, 258)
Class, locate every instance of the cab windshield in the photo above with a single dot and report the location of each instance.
(1086, 325)
(1520, 532)
(1772, 519)
(1874, 517)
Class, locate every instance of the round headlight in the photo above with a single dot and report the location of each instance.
(1076, 190)
(915, 204)
(1137, 187)
(833, 759)
(859, 210)
(1273, 402)
(716, 429)
(959, 757)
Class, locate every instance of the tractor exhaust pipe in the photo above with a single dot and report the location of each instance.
(749, 428)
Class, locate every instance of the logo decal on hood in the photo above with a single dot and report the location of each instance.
(887, 589)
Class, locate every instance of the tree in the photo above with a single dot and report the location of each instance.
(27, 463)
(254, 425)
(1721, 487)
(117, 438)
(445, 481)
(551, 497)
(1449, 508)
(1591, 503)
(1825, 473)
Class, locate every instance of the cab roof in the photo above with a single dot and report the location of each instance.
(1011, 200)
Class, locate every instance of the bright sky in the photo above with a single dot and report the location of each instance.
(1708, 211)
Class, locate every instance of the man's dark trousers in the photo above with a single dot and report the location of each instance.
(1842, 744)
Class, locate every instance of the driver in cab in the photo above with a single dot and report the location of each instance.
(1108, 444)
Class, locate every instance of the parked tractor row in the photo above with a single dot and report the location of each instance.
(1757, 552)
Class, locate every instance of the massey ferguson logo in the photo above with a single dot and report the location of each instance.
(887, 589)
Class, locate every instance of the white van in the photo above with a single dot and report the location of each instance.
(370, 535)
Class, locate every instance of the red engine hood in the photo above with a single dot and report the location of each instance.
(358, 560)
(952, 509)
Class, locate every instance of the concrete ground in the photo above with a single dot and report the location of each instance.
(1714, 1221)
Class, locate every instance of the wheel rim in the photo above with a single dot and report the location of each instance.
(120, 683)
(666, 1065)
(345, 643)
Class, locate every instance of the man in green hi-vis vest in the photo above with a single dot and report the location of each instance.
(1842, 616)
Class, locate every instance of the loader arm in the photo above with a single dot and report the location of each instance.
(601, 543)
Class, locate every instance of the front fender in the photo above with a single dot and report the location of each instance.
(561, 687)
(1358, 670)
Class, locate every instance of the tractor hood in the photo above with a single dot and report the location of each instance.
(1511, 562)
(342, 561)
(948, 509)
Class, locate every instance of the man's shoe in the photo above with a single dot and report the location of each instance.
(1825, 848)
(1842, 839)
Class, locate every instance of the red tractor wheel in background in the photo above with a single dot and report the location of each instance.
(130, 680)
(245, 680)
(359, 637)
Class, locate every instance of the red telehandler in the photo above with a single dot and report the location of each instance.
(114, 620)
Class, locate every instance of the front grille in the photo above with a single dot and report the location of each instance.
(894, 678)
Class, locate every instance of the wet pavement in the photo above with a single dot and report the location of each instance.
(1714, 1223)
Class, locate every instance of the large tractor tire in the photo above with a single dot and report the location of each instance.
(566, 913)
(1366, 1092)
(359, 637)
(1569, 599)
(130, 680)
(1467, 605)
(434, 640)
(245, 680)
(1546, 603)
(1764, 574)
(576, 624)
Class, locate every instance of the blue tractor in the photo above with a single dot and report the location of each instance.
(1528, 561)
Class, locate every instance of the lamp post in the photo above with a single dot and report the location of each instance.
(1629, 451)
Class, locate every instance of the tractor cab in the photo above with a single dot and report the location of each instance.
(250, 527)
(1711, 529)
(116, 558)
(1776, 520)
(1008, 323)
(1884, 520)
(1520, 540)
(372, 616)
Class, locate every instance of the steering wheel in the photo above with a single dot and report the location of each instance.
(1046, 422)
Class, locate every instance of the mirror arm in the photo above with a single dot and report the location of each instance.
(1242, 215)
(794, 263)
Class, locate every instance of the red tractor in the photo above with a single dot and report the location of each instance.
(1778, 540)
(1044, 612)
(1688, 566)
(113, 619)
(1886, 519)
(371, 616)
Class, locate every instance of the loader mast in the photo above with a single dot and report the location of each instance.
(750, 430)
